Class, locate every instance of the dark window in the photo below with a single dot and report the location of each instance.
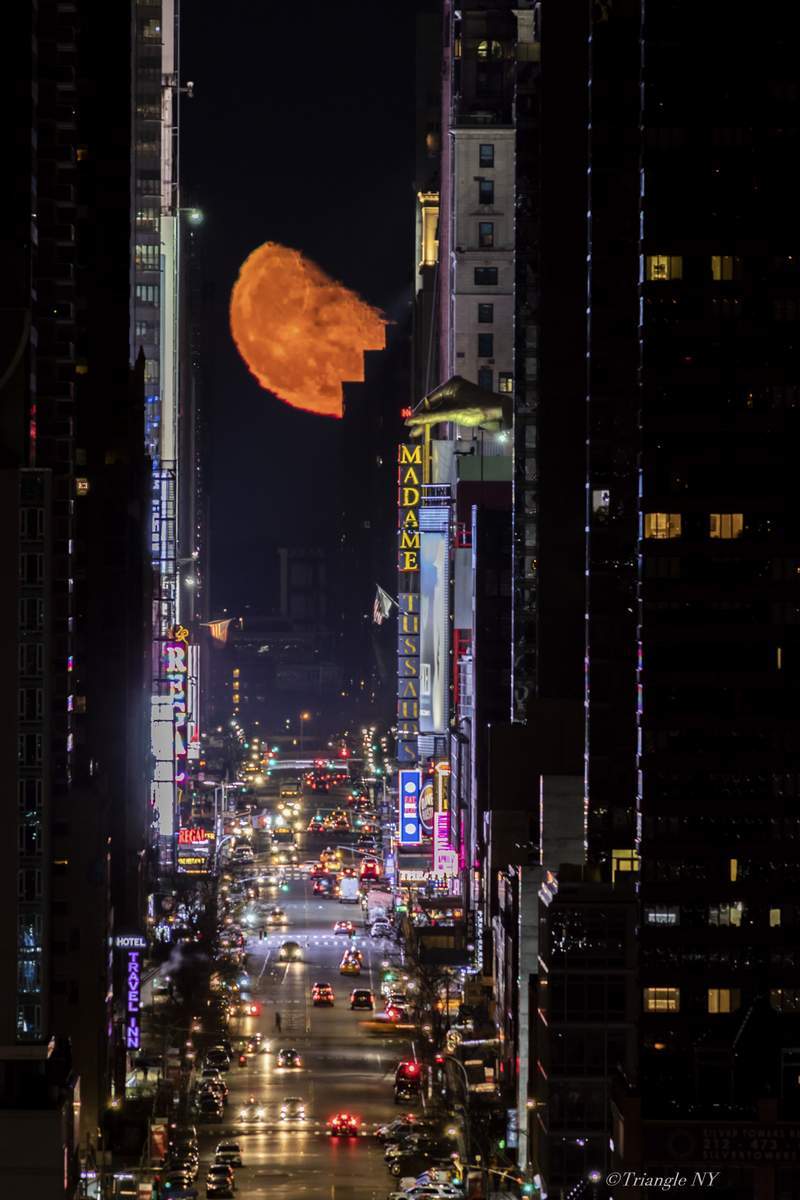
(486, 154)
(486, 191)
(486, 276)
(486, 234)
(485, 378)
(485, 345)
(485, 314)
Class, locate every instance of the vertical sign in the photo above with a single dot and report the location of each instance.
(445, 859)
(133, 1037)
(176, 671)
(410, 786)
(409, 495)
(434, 714)
(193, 704)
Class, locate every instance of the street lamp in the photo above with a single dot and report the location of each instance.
(304, 716)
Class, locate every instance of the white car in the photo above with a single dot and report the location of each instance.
(293, 1109)
(229, 1153)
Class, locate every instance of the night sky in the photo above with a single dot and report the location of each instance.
(300, 132)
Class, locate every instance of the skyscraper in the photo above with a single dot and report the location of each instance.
(73, 525)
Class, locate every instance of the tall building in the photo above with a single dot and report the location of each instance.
(73, 526)
(718, 288)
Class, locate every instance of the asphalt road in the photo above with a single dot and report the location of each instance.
(345, 1067)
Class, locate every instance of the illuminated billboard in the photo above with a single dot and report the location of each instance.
(434, 656)
(162, 748)
(194, 850)
(445, 859)
(409, 825)
(176, 673)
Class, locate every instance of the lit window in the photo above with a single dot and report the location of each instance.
(486, 191)
(662, 999)
(662, 525)
(485, 345)
(485, 314)
(723, 1000)
(774, 918)
(725, 525)
(486, 378)
(785, 999)
(662, 915)
(506, 384)
(724, 267)
(733, 867)
(623, 862)
(486, 234)
(490, 50)
(486, 154)
(486, 276)
(601, 503)
(663, 267)
(726, 914)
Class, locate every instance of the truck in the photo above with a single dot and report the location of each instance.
(348, 890)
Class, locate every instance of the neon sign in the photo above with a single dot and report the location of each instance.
(410, 786)
(133, 1033)
(191, 837)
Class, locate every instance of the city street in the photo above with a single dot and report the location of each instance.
(344, 1066)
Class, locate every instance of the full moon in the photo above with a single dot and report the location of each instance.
(300, 332)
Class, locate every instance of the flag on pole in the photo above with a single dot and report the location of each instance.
(382, 608)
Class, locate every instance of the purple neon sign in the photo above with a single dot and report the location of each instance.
(133, 1033)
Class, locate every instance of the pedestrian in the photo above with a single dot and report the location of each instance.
(145, 1070)
(277, 1021)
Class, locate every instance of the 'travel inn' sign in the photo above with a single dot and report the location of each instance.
(409, 495)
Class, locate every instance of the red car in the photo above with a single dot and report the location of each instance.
(370, 869)
(343, 1125)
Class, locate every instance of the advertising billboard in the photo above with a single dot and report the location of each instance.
(434, 664)
(175, 670)
(162, 747)
(194, 850)
(445, 859)
(409, 788)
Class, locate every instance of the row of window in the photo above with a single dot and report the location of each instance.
(505, 381)
(485, 191)
(147, 256)
(31, 524)
(31, 569)
(718, 1000)
(731, 913)
(29, 1021)
(31, 614)
(148, 293)
(661, 268)
(664, 525)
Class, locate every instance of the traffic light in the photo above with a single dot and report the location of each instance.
(501, 1143)
(527, 1188)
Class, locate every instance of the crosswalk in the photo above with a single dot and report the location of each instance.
(317, 1128)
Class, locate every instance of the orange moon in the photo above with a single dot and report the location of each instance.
(300, 332)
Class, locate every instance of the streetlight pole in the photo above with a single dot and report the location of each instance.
(304, 716)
